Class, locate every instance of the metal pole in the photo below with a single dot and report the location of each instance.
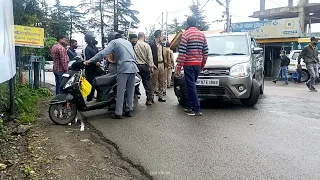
(228, 16)
(162, 21)
(167, 27)
(102, 24)
(115, 3)
(11, 94)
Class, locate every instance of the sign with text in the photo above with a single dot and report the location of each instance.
(29, 36)
(7, 51)
(280, 28)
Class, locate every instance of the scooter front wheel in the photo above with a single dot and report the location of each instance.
(63, 113)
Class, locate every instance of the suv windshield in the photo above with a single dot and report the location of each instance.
(228, 45)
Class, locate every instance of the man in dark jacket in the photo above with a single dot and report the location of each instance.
(92, 70)
(72, 49)
(285, 61)
(159, 62)
(310, 57)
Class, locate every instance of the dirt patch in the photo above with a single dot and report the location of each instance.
(50, 151)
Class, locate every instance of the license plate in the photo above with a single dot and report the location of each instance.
(66, 75)
(208, 82)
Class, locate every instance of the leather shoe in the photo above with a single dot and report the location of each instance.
(114, 116)
(128, 114)
(161, 100)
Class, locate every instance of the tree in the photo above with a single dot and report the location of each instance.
(175, 27)
(27, 12)
(64, 20)
(127, 15)
(196, 12)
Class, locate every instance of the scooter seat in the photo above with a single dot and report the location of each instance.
(105, 80)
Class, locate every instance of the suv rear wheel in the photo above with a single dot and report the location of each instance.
(254, 95)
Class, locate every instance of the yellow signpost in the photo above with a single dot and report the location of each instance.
(29, 36)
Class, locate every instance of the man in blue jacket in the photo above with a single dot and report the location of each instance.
(126, 70)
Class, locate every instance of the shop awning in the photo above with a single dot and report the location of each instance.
(303, 40)
(277, 40)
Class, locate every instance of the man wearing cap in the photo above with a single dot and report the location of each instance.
(310, 57)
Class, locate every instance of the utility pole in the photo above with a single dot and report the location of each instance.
(162, 21)
(228, 16)
(102, 24)
(115, 26)
(167, 27)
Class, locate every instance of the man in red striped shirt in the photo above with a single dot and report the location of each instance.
(193, 55)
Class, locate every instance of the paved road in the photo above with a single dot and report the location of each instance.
(278, 139)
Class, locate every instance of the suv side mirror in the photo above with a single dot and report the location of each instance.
(257, 50)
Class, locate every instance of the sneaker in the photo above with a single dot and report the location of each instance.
(274, 81)
(188, 110)
(192, 113)
(313, 90)
(285, 83)
(308, 86)
(149, 103)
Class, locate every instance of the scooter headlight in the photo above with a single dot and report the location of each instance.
(70, 82)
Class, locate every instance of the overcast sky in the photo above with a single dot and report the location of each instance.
(150, 11)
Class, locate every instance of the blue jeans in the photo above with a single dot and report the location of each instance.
(191, 74)
(58, 77)
(283, 70)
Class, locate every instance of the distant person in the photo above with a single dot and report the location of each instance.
(285, 61)
(92, 70)
(168, 53)
(72, 49)
(145, 64)
(193, 55)
(60, 60)
(158, 75)
(298, 74)
(310, 58)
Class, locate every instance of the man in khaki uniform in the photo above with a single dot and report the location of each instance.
(144, 63)
(158, 75)
(168, 53)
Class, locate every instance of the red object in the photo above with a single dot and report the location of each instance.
(60, 58)
(193, 49)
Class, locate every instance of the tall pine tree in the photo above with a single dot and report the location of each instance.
(196, 12)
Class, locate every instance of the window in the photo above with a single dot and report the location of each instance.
(228, 45)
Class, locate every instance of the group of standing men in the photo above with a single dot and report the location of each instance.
(155, 63)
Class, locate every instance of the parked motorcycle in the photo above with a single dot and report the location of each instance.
(64, 106)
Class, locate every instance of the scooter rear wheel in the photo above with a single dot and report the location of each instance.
(62, 114)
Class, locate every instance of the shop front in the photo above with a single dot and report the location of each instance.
(273, 36)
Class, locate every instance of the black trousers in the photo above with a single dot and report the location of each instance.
(146, 80)
(90, 75)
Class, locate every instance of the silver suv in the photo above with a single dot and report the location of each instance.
(234, 70)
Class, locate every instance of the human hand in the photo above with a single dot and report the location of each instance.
(98, 64)
(86, 63)
(178, 73)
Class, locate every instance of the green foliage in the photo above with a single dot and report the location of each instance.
(196, 12)
(27, 12)
(25, 101)
(175, 27)
(3, 131)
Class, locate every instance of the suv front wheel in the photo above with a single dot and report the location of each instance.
(254, 95)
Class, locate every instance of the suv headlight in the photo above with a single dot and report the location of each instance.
(69, 83)
(240, 70)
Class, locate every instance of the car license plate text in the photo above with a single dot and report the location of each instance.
(208, 82)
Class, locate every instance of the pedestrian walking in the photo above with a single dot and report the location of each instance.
(92, 70)
(126, 72)
(158, 76)
(60, 60)
(298, 73)
(72, 49)
(168, 53)
(310, 57)
(145, 64)
(193, 55)
(285, 61)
